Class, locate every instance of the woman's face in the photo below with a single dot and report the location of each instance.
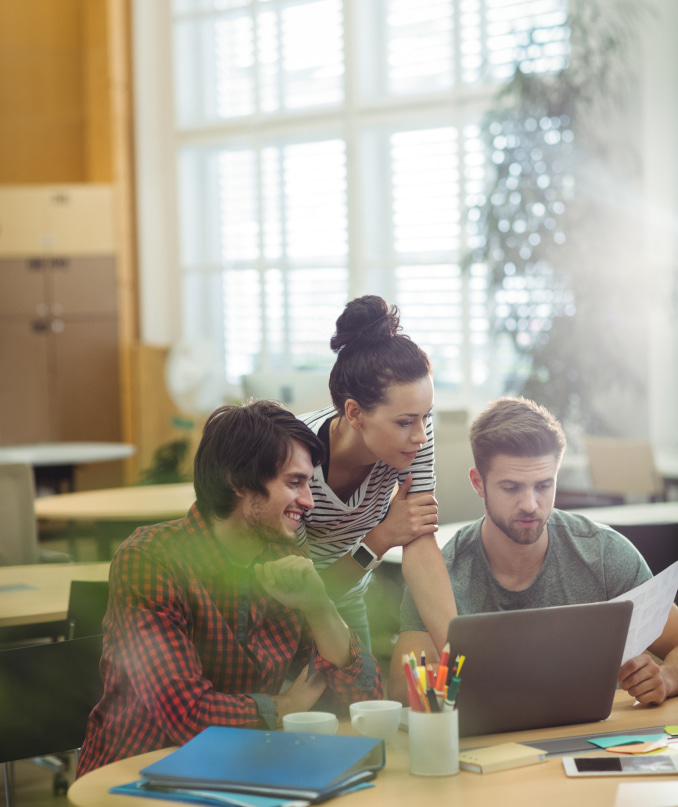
(395, 431)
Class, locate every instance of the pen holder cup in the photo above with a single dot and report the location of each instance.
(434, 743)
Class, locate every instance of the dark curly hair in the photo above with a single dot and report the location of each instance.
(372, 354)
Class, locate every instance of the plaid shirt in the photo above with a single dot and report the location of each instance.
(191, 640)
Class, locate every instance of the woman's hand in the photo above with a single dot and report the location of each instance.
(410, 516)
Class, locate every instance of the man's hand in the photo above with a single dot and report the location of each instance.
(642, 678)
(293, 582)
(301, 695)
(409, 516)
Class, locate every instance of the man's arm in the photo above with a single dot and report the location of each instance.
(346, 668)
(648, 681)
(295, 583)
(409, 641)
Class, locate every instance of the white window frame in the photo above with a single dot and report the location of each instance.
(156, 145)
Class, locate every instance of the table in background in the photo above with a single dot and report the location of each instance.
(34, 598)
(652, 527)
(54, 463)
(115, 512)
(531, 786)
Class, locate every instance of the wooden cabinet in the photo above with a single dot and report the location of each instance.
(59, 355)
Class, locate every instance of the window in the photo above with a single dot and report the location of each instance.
(328, 149)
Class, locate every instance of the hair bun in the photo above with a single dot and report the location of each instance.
(365, 320)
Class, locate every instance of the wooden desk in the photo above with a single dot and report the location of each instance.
(34, 598)
(143, 503)
(114, 512)
(532, 786)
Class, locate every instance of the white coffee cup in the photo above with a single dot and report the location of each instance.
(379, 719)
(311, 722)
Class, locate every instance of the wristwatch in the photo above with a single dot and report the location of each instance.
(365, 557)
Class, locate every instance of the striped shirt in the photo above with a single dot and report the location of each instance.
(333, 527)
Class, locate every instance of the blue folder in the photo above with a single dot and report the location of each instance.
(312, 767)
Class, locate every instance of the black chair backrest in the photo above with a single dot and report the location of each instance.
(46, 694)
(87, 605)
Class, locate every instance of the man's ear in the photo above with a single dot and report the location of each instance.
(353, 413)
(477, 482)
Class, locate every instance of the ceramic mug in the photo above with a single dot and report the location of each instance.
(379, 719)
(311, 722)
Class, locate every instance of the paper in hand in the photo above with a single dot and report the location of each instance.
(652, 601)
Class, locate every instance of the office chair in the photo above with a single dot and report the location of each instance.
(87, 605)
(46, 694)
(19, 532)
(623, 467)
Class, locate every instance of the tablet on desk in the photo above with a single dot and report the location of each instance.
(621, 766)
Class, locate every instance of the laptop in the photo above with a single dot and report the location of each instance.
(539, 667)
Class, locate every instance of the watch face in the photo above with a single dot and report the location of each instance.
(363, 556)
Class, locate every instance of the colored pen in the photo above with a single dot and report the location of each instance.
(462, 659)
(421, 689)
(441, 677)
(412, 693)
(432, 700)
(453, 669)
(451, 699)
(445, 655)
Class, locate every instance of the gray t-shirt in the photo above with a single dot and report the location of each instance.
(585, 562)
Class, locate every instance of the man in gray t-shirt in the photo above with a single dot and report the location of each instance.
(525, 554)
(584, 562)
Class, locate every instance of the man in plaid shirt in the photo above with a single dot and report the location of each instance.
(208, 616)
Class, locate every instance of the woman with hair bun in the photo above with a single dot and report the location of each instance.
(375, 489)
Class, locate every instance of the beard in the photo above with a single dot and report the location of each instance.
(259, 523)
(519, 535)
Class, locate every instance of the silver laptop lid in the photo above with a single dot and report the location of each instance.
(538, 667)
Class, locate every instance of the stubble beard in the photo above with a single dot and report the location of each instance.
(521, 536)
(264, 531)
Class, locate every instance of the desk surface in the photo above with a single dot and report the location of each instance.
(42, 454)
(145, 503)
(38, 593)
(532, 786)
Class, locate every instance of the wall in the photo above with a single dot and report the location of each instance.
(66, 117)
(55, 122)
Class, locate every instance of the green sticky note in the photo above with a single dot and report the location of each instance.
(627, 739)
(671, 729)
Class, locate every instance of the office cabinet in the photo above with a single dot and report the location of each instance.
(59, 366)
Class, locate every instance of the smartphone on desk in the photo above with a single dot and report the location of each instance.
(621, 766)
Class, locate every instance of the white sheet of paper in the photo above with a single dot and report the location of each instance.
(652, 602)
(647, 794)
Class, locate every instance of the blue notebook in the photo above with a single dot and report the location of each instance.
(206, 797)
(312, 767)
